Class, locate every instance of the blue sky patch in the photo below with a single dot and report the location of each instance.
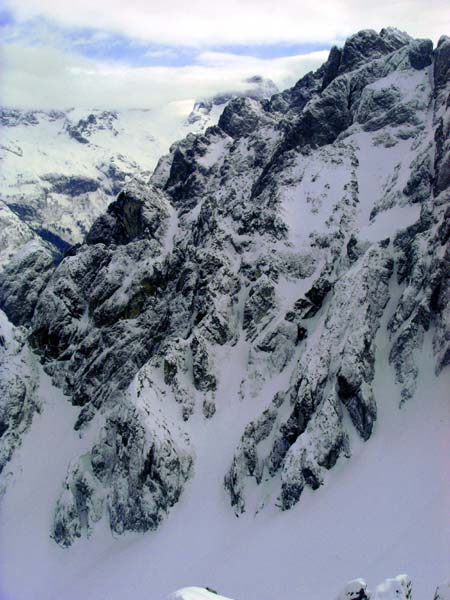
(6, 18)
(106, 46)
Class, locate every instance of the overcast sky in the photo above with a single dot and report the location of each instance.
(142, 53)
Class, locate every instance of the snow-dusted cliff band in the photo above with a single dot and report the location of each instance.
(256, 280)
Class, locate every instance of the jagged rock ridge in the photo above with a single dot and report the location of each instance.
(283, 233)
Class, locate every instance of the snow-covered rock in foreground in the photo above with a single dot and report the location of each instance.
(355, 590)
(196, 593)
(396, 588)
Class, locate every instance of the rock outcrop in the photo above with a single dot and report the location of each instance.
(19, 398)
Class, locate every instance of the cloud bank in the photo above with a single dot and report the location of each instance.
(145, 53)
(210, 23)
(40, 77)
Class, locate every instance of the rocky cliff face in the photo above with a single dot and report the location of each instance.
(18, 392)
(293, 234)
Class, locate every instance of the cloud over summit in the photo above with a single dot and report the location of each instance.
(107, 53)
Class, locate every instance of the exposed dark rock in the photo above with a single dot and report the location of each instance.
(180, 169)
(332, 66)
(418, 186)
(368, 44)
(23, 279)
(138, 212)
(147, 465)
(361, 407)
(355, 248)
(260, 302)
(420, 53)
(316, 295)
(240, 117)
(442, 63)
(323, 119)
(202, 369)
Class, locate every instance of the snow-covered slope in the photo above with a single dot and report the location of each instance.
(262, 331)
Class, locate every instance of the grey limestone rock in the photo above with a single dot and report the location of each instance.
(19, 399)
(23, 279)
(134, 473)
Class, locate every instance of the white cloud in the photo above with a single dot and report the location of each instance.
(46, 77)
(210, 23)
(41, 67)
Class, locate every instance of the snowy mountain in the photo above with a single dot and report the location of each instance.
(206, 112)
(59, 170)
(260, 331)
